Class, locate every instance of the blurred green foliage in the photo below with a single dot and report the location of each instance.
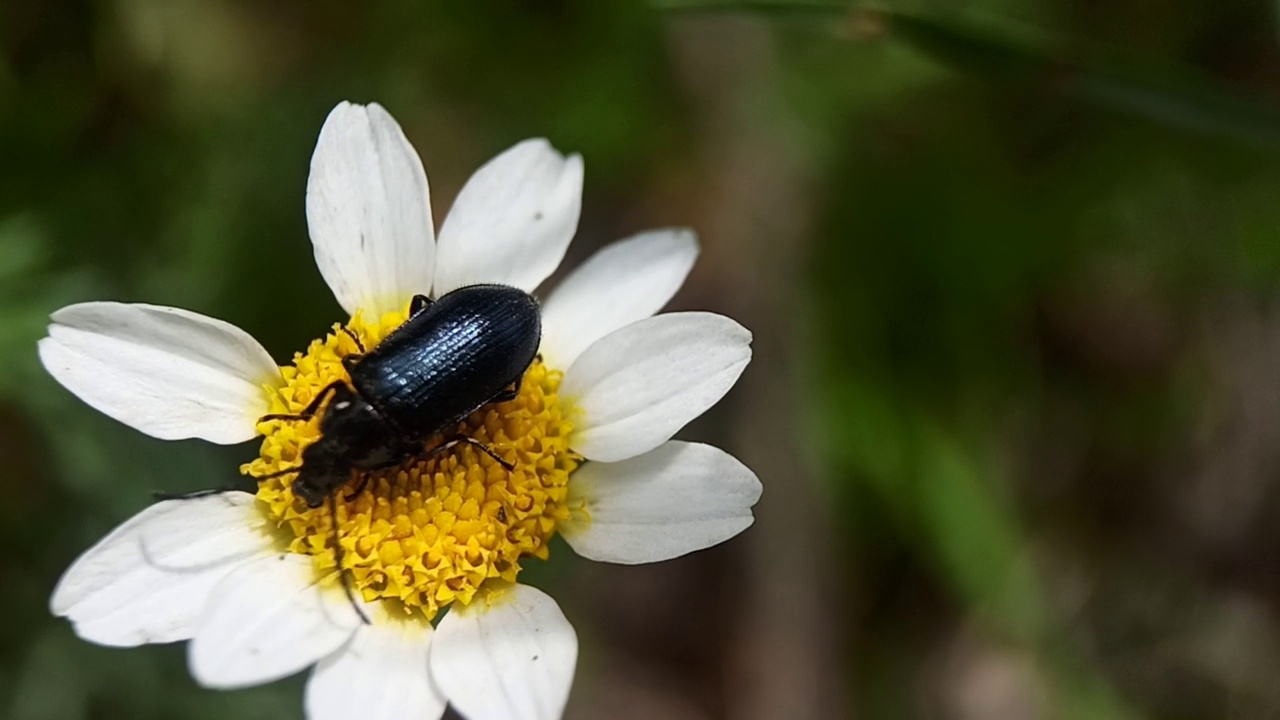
(1041, 261)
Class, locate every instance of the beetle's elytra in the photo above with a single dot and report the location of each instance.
(468, 348)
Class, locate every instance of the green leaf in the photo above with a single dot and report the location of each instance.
(1172, 95)
(764, 7)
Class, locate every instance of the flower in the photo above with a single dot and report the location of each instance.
(431, 548)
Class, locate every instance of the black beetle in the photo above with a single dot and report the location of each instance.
(468, 348)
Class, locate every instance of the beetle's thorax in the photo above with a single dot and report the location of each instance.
(353, 436)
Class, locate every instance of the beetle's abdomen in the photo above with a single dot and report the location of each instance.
(451, 358)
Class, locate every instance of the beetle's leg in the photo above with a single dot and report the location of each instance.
(354, 338)
(418, 304)
(312, 407)
(277, 473)
(349, 362)
(337, 558)
(453, 442)
(506, 394)
(488, 451)
(509, 393)
(364, 482)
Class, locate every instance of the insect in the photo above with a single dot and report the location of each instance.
(468, 348)
(465, 350)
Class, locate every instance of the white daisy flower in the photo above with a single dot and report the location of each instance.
(433, 548)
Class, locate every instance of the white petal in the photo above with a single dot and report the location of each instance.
(512, 221)
(368, 211)
(170, 373)
(510, 660)
(637, 386)
(625, 282)
(148, 581)
(666, 503)
(268, 620)
(381, 674)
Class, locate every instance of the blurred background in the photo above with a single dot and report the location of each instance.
(1013, 268)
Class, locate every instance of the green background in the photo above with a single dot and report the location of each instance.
(1013, 269)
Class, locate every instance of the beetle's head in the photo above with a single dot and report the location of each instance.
(312, 489)
(352, 437)
(323, 470)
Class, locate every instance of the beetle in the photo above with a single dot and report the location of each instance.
(468, 348)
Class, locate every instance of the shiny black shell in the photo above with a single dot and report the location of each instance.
(450, 358)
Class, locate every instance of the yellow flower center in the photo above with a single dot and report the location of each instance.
(431, 531)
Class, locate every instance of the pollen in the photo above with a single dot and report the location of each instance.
(431, 531)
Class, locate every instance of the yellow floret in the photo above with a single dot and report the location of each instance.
(429, 532)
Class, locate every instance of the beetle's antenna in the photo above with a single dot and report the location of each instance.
(337, 557)
(310, 410)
